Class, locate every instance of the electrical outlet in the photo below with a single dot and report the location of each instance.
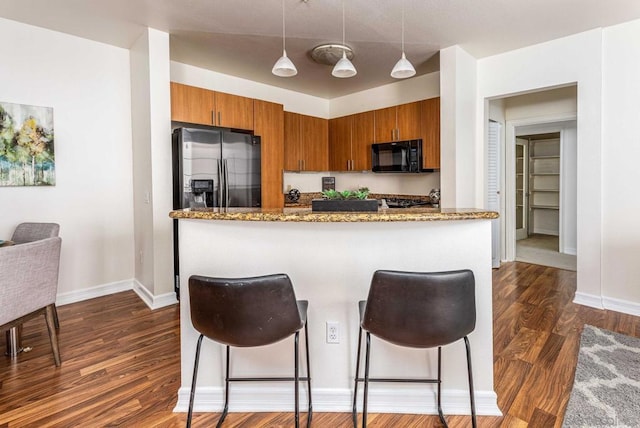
(333, 332)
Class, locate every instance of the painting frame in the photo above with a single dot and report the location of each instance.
(27, 156)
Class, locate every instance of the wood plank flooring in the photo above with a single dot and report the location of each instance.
(121, 363)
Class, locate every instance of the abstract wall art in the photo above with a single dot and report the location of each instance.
(26, 145)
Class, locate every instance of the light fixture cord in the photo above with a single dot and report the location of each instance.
(343, 23)
(283, 24)
(402, 26)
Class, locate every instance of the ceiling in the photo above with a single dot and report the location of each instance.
(244, 37)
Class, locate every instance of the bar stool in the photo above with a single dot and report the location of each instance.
(417, 310)
(248, 312)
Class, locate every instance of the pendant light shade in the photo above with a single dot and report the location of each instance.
(284, 66)
(403, 67)
(343, 68)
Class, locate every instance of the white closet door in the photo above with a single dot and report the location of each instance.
(493, 188)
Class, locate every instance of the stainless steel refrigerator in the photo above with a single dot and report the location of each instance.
(213, 167)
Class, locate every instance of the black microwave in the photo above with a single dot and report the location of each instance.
(397, 156)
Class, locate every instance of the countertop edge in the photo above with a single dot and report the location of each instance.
(306, 215)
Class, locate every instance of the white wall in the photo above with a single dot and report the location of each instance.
(87, 84)
(557, 63)
(620, 172)
(151, 117)
(459, 156)
(554, 102)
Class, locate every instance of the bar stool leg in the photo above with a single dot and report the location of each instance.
(471, 395)
(226, 391)
(354, 412)
(440, 413)
(193, 381)
(310, 409)
(296, 376)
(366, 381)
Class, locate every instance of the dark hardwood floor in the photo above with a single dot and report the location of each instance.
(121, 362)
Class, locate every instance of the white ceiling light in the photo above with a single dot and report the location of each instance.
(343, 68)
(284, 66)
(403, 67)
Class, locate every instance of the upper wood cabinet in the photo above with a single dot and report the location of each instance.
(350, 139)
(192, 105)
(306, 143)
(340, 143)
(362, 137)
(269, 125)
(430, 130)
(397, 123)
(197, 105)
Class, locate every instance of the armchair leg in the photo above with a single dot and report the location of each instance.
(53, 335)
(56, 321)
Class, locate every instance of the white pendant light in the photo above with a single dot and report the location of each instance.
(403, 67)
(343, 68)
(284, 66)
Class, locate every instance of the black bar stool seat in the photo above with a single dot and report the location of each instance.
(248, 312)
(417, 310)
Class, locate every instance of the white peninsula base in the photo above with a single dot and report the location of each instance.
(331, 264)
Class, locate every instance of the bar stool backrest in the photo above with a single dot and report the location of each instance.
(421, 310)
(246, 311)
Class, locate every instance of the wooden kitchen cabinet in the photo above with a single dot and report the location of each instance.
(306, 143)
(202, 106)
(362, 137)
(340, 143)
(430, 133)
(191, 104)
(269, 125)
(350, 139)
(397, 123)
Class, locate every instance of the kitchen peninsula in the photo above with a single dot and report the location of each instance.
(330, 258)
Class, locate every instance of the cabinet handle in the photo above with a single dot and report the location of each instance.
(219, 118)
(304, 165)
(213, 117)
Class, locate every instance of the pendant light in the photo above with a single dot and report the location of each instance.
(343, 68)
(283, 66)
(403, 67)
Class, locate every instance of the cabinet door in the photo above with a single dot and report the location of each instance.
(430, 119)
(269, 125)
(192, 105)
(385, 124)
(233, 111)
(408, 121)
(363, 130)
(292, 146)
(340, 143)
(314, 140)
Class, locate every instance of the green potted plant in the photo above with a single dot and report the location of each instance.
(345, 201)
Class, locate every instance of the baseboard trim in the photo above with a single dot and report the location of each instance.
(93, 292)
(623, 306)
(153, 302)
(608, 303)
(590, 300)
(244, 398)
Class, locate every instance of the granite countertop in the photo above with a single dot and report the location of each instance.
(306, 215)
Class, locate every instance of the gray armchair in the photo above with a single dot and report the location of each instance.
(29, 232)
(29, 284)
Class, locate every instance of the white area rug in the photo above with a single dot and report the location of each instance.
(606, 389)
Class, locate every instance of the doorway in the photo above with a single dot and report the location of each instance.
(544, 197)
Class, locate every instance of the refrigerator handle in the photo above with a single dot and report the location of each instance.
(220, 182)
(226, 184)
